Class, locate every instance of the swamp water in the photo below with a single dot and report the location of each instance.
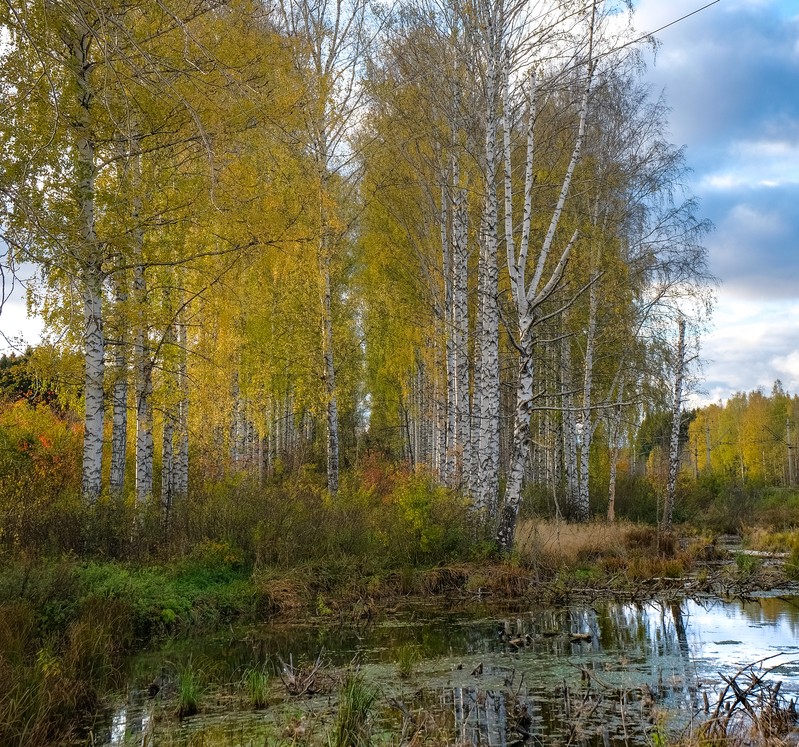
(608, 673)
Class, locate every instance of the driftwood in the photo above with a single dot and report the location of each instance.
(309, 679)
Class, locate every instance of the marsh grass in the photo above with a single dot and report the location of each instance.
(255, 685)
(634, 551)
(357, 698)
(408, 658)
(189, 682)
(50, 685)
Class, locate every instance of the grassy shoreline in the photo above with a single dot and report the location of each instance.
(68, 625)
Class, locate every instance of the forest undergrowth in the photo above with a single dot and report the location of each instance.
(81, 587)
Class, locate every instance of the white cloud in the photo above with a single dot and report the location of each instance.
(788, 365)
(763, 162)
(753, 344)
(17, 329)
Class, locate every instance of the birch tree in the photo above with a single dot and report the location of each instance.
(330, 38)
(529, 295)
(674, 440)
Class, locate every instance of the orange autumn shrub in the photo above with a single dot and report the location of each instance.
(40, 462)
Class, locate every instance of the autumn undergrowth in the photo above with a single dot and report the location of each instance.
(236, 550)
(602, 552)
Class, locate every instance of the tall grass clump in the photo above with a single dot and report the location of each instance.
(51, 684)
(357, 699)
(408, 657)
(255, 684)
(189, 688)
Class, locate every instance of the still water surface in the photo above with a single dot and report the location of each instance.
(485, 677)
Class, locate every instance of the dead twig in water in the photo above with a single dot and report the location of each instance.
(308, 680)
(751, 703)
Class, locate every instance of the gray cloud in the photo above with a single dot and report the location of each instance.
(755, 247)
(729, 72)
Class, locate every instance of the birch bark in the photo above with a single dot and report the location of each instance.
(182, 456)
(487, 395)
(447, 271)
(582, 511)
(142, 360)
(80, 65)
(676, 414)
(460, 326)
(529, 297)
(119, 429)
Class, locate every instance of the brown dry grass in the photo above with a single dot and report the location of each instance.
(551, 546)
(568, 544)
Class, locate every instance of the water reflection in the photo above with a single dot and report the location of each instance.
(601, 674)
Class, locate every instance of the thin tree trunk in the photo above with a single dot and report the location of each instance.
(182, 460)
(144, 383)
(676, 414)
(447, 264)
(583, 504)
(614, 435)
(168, 437)
(460, 326)
(330, 382)
(119, 431)
(569, 428)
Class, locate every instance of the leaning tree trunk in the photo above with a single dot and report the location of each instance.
(521, 439)
(674, 445)
(529, 297)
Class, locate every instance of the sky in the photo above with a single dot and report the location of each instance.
(730, 74)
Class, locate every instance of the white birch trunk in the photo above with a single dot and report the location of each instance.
(487, 397)
(142, 361)
(570, 452)
(168, 438)
(237, 424)
(582, 512)
(119, 431)
(521, 440)
(144, 424)
(182, 457)
(460, 326)
(676, 415)
(91, 269)
(528, 298)
(144, 418)
(614, 428)
(167, 466)
(329, 371)
(447, 265)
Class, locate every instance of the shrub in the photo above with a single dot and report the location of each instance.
(40, 463)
